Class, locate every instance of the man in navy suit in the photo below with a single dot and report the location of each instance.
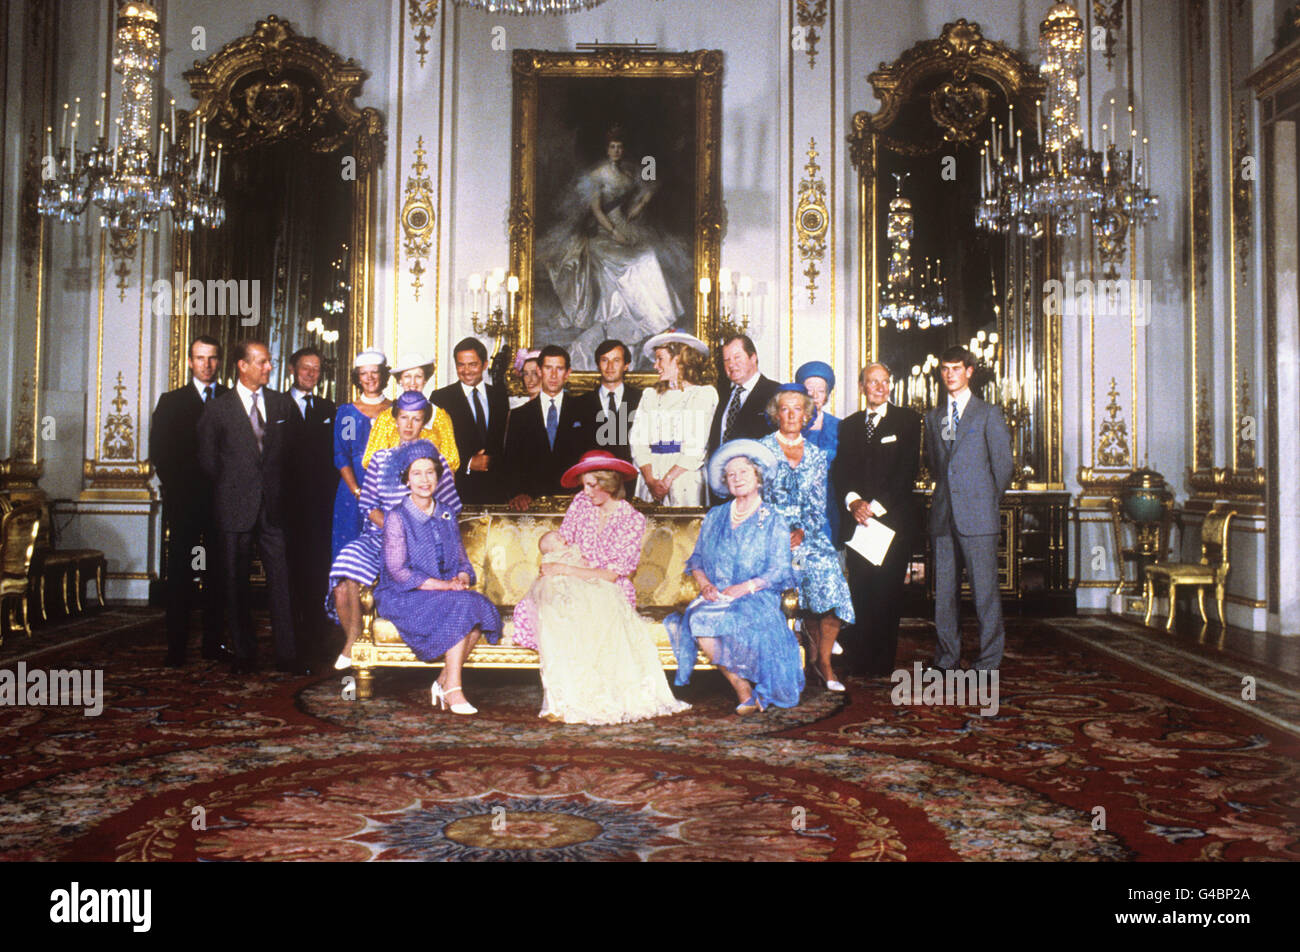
(243, 438)
(874, 472)
(478, 412)
(742, 405)
(608, 409)
(968, 448)
(187, 502)
(310, 484)
(546, 435)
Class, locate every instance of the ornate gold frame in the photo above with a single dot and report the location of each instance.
(958, 108)
(705, 67)
(321, 112)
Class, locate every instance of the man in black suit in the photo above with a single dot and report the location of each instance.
(478, 413)
(243, 438)
(187, 502)
(742, 406)
(608, 409)
(310, 484)
(546, 435)
(874, 473)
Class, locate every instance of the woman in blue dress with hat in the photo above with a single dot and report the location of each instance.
(351, 430)
(742, 565)
(823, 431)
(425, 576)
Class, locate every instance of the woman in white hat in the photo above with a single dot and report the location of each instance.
(670, 430)
(742, 565)
(352, 426)
(412, 372)
(598, 657)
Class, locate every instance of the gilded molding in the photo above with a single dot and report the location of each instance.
(1277, 71)
(417, 217)
(811, 15)
(1112, 438)
(1221, 483)
(1204, 429)
(24, 431)
(1201, 211)
(1246, 425)
(812, 219)
(119, 427)
(118, 480)
(422, 15)
(1108, 15)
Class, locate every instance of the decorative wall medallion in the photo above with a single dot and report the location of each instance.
(417, 217)
(1204, 429)
(119, 435)
(1109, 15)
(811, 15)
(812, 219)
(423, 15)
(958, 109)
(1112, 440)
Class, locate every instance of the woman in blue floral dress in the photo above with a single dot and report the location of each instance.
(741, 563)
(798, 493)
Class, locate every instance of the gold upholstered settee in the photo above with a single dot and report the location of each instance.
(502, 547)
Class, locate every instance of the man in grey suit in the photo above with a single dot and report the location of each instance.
(968, 447)
(243, 437)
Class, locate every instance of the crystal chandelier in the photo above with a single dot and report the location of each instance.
(130, 184)
(1063, 180)
(904, 303)
(530, 7)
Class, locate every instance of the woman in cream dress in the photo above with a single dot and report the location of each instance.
(670, 432)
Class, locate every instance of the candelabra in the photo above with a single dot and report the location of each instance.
(1016, 412)
(494, 296)
(131, 185)
(732, 301)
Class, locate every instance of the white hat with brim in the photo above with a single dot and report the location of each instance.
(412, 362)
(670, 337)
(370, 358)
(724, 454)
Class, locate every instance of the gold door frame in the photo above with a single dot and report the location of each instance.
(325, 119)
(958, 111)
(705, 67)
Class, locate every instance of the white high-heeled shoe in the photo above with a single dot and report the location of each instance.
(836, 649)
(342, 663)
(439, 695)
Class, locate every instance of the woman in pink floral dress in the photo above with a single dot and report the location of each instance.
(598, 657)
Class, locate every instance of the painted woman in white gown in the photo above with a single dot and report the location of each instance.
(607, 266)
(670, 431)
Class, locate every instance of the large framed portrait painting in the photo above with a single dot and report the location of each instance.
(615, 209)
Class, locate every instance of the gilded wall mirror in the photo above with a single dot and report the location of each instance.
(298, 172)
(930, 276)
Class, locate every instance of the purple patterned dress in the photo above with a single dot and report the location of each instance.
(420, 546)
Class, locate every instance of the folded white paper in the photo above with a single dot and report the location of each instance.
(872, 541)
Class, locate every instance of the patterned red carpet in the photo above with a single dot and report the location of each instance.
(1095, 754)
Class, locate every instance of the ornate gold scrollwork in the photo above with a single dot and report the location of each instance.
(811, 15)
(1204, 429)
(417, 217)
(1112, 439)
(811, 219)
(423, 14)
(957, 108)
(119, 428)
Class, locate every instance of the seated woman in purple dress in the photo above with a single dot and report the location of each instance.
(425, 577)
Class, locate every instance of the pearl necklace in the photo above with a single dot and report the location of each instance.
(375, 401)
(797, 441)
(737, 516)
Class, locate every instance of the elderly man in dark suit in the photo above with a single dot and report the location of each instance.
(545, 436)
(243, 438)
(968, 448)
(874, 473)
(742, 406)
(310, 484)
(608, 409)
(187, 503)
(478, 413)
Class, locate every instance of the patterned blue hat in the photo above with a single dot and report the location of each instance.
(816, 368)
(410, 400)
(408, 453)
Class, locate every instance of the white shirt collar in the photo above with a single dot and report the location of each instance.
(605, 392)
(545, 399)
(246, 396)
(879, 411)
(748, 385)
(962, 398)
(481, 387)
(200, 387)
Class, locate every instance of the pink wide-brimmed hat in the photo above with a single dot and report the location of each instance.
(593, 460)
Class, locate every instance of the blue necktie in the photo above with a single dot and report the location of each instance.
(552, 424)
(207, 393)
(954, 417)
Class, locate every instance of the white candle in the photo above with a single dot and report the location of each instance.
(1011, 122)
(745, 285)
(63, 128)
(1111, 138)
(103, 109)
(1146, 163)
(1020, 164)
(1038, 115)
(705, 286)
(173, 109)
(161, 134)
(724, 279)
(216, 178)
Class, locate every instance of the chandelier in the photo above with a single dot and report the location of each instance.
(529, 7)
(130, 184)
(1063, 179)
(904, 302)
